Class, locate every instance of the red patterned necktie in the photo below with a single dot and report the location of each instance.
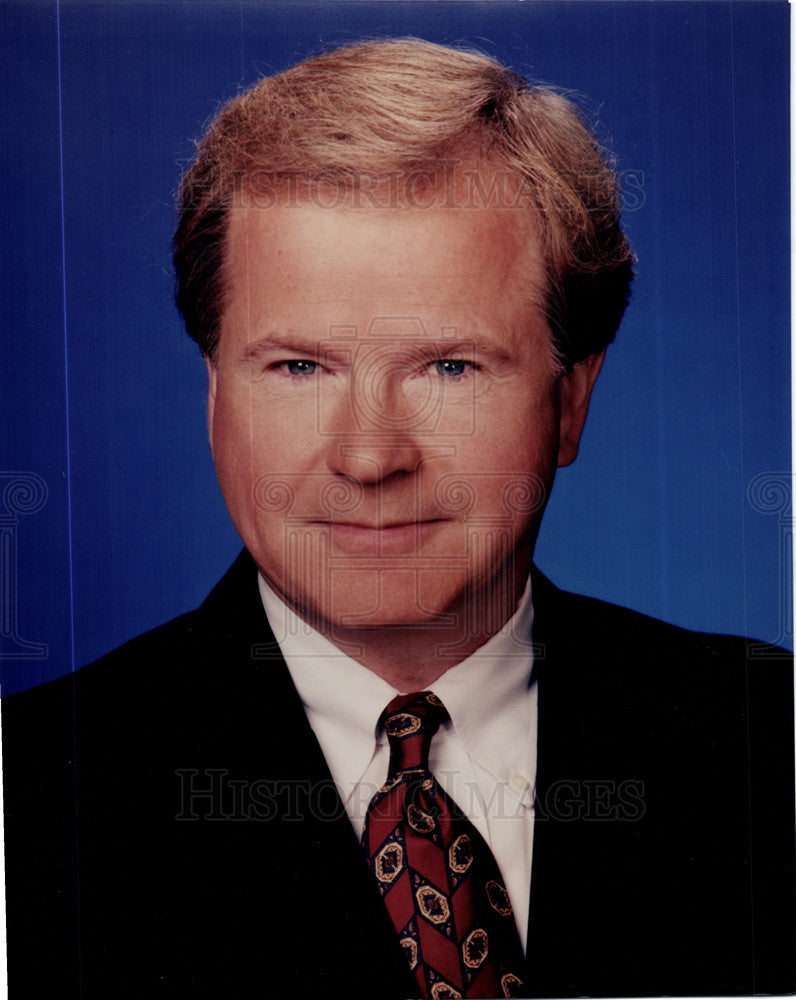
(437, 877)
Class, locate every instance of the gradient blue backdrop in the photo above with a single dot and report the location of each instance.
(103, 394)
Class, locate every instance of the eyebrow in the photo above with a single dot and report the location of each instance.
(279, 342)
(339, 349)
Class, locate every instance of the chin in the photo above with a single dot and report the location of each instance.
(379, 598)
(388, 597)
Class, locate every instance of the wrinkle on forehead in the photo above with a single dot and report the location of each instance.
(501, 246)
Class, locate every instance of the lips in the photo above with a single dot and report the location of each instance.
(396, 538)
(379, 527)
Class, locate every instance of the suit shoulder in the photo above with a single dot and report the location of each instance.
(172, 637)
(625, 661)
(601, 622)
(125, 676)
(182, 644)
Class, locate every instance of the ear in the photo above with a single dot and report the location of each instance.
(574, 395)
(211, 397)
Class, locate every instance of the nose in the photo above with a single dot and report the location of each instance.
(368, 461)
(373, 434)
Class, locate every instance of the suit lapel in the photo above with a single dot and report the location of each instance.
(319, 857)
(587, 891)
(560, 767)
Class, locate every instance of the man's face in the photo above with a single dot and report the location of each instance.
(385, 412)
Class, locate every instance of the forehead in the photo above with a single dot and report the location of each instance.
(452, 262)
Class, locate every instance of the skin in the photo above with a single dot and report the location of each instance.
(386, 418)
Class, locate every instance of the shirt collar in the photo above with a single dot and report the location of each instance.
(342, 699)
(486, 695)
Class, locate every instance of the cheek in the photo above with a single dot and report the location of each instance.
(233, 446)
(513, 457)
(231, 436)
(518, 432)
(264, 460)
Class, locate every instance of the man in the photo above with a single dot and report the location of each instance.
(386, 757)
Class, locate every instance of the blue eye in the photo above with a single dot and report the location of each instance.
(450, 367)
(301, 367)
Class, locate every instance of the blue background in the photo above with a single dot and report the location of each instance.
(103, 395)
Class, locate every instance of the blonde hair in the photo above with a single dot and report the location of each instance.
(406, 108)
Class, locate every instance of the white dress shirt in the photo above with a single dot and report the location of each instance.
(484, 756)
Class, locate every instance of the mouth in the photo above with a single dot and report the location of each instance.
(391, 538)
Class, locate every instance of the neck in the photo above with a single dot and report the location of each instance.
(411, 657)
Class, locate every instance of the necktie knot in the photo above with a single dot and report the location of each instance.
(410, 722)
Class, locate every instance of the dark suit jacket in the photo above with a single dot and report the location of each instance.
(172, 828)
